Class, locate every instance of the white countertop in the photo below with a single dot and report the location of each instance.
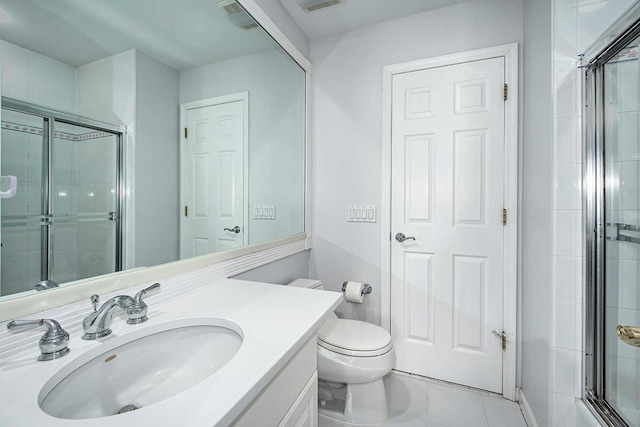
(275, 321)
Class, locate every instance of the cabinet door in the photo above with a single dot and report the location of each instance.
(304, 411)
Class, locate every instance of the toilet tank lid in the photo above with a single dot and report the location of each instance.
(306, 283)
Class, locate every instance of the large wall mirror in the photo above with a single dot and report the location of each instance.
(139, 132)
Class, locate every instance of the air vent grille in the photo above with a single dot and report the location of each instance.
(315, 5)
(237, 15)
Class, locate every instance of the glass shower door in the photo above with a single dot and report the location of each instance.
(621, 170)
(84, 202)
(23, 222)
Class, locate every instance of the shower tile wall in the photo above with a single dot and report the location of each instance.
(576, 24)
(107, 92)
(32, 77)
(79, 251)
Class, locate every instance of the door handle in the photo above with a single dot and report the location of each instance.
(400, 237)
(235, 229)
(629, 334)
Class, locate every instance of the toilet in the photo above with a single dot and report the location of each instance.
(353, 356)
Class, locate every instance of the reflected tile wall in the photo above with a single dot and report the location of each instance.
(32, 77)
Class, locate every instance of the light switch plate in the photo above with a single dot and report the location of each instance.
(264, 212)
(362, 213)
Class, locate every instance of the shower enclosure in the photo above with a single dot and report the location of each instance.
(64, 222)
(612, 189)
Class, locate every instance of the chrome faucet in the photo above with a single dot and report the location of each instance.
(45, 284)
(53, 344)
(98, 323)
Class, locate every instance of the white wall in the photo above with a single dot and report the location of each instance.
(276, 132)
(536, 156)
(347, 98)
(157, 158)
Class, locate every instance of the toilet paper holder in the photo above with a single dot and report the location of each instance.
(365, 291)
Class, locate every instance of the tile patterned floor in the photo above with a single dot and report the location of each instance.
(416, 402)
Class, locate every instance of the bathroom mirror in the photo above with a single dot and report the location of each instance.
(141, 132)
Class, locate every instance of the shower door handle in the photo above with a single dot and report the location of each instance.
(629, 334)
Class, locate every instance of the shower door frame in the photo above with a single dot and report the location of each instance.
(627, 30)
(50, 117)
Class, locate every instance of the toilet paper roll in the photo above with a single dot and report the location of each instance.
(353, 292)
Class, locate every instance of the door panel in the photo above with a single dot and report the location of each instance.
(214, 179)
(447, 193)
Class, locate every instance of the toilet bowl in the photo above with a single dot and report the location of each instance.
(353, 357)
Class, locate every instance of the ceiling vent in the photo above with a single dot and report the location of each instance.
(237, 15)
(315, 5)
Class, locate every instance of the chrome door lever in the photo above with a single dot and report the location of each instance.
(400, 237)
(235, 229)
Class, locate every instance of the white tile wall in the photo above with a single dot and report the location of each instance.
(32, 77)
(576, 25)
(107, 92)
(83, 170)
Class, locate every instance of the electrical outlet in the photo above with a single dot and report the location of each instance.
(366, 213)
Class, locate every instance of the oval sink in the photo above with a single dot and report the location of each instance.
(140, 372)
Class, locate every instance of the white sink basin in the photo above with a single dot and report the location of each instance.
(138, 371)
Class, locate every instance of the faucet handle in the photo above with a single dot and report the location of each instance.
(53, 344)
(137, 313)
(139, 295)
(95, 299)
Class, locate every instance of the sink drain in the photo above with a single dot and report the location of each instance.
(127, 408)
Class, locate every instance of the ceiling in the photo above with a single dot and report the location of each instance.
(182, 34)
(355, 14)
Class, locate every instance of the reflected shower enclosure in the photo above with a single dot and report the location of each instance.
(612, 208)
(64, 222)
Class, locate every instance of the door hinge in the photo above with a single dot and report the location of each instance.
(506, 91)
(185, 133)
(503, 338)
(186, 209)
(504, 217)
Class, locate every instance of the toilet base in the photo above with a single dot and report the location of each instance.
(361, 404)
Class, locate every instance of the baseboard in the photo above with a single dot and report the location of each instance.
(526, 410)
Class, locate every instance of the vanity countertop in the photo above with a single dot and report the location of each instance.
(275, 321)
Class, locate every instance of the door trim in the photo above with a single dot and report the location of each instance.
(509, 304)
(225, 99)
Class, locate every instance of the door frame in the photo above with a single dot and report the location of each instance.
(510, 274)
(224, 99)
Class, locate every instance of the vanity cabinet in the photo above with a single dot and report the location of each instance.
(304, 411)
(291, 397)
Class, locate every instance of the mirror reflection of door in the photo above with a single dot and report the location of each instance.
(214, 175)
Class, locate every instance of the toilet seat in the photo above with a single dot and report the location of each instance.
(354, 338)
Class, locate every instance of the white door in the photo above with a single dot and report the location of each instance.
(447, 193)
(213, 180)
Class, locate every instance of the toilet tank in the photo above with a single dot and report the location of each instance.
(307, 283)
